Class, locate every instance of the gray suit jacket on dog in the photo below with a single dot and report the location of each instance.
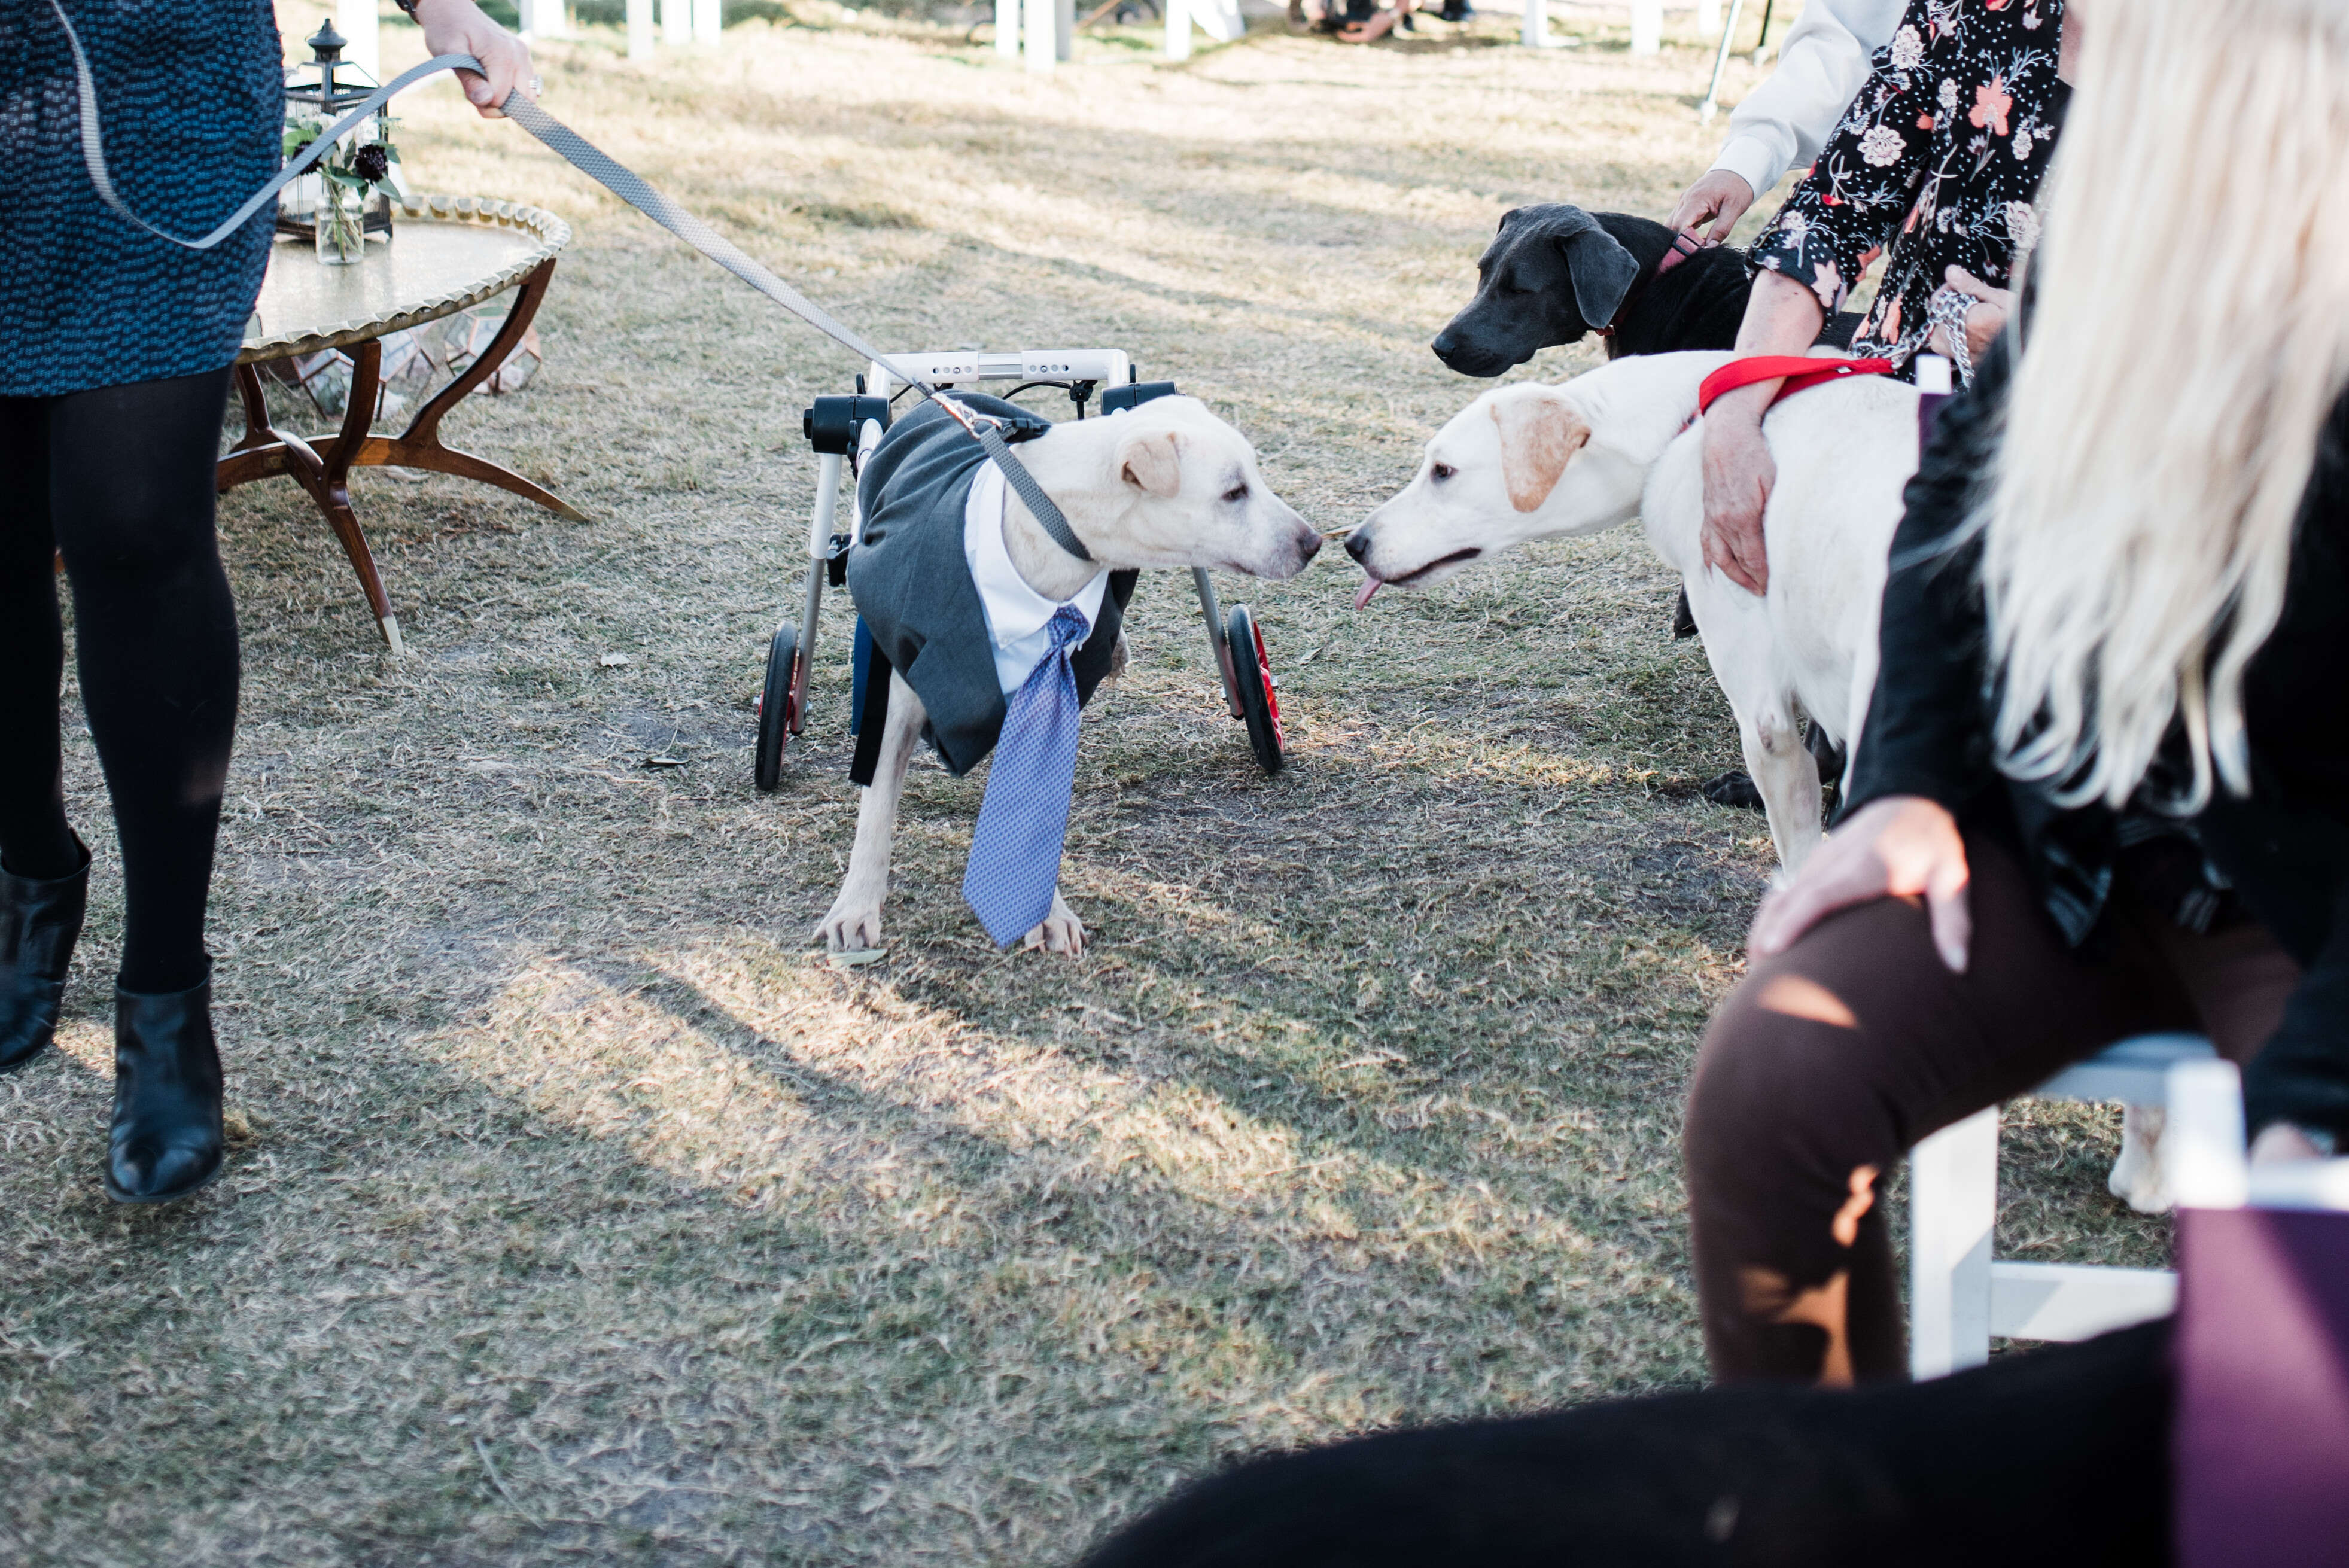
(913, 587)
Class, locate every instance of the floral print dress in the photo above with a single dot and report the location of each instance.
(1938, 157)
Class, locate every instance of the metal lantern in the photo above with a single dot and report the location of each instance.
(327, 86)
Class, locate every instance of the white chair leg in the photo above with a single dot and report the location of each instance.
(1953, 1204)
(2202, 1136)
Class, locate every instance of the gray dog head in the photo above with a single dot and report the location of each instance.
(1550, 276)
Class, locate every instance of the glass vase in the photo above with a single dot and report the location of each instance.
(340, 221)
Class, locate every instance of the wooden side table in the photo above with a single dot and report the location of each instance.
(446, 254)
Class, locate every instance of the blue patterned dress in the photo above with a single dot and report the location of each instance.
(192, 96)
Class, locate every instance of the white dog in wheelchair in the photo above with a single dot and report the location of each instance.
(1167, 484)
(1529, 462)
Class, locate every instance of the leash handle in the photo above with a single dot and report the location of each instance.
(93, 146)
(1799, 373)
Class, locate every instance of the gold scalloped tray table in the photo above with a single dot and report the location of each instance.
(446, 254)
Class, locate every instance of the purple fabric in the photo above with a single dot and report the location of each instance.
(2261, 1438)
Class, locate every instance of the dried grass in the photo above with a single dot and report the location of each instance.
(577, 1210)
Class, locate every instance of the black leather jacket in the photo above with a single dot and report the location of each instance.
(2285, 848)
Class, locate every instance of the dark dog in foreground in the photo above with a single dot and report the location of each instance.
(2050, 1459)
(1556, 272)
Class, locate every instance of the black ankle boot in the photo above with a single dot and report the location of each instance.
(166, 1142)
(39, 922)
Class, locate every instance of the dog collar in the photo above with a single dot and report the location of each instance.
(1682, 247)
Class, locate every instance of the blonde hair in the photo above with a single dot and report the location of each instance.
(2190, 335)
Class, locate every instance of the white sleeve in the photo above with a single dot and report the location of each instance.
(1822, 66)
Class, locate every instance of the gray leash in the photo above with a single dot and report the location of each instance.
(621, 181)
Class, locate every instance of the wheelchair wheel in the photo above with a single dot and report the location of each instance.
(778, 706)
(1259, 704)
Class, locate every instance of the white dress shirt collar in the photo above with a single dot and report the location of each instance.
(1017, 615)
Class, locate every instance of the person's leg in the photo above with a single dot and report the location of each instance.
(130, 487)
(35, 842)
(44, 870)
(1829, 1061)
(131, 482)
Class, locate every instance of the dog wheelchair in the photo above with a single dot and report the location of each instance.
(843, 430)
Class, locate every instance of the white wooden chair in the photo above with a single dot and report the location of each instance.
(1960, 1296)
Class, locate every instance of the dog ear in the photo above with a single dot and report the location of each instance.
(1152, 463)
(1603, 273)
(1539, 436)
(1509, 218)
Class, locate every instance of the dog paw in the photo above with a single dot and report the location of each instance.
(1119, 657)
(2137, 1179)
(1060, 930)
(853, 924)
(1734, 788)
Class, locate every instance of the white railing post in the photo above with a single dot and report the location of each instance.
(677, 23)
(359, 24)
(1007, 28)
(640, 29)
(709, 23)
(1064, 29)
(1646, 26)
(1178, 29)
(1534, 32)
(1708, 17)
(1036, 36)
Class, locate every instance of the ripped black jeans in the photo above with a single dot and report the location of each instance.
(1830, 1060)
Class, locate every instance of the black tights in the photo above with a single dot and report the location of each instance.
(120, 480)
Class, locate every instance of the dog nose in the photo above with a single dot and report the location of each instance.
(1357, 543)
(1446, 343)
(1308, 542)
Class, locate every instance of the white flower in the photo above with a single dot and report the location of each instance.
(2021, 227)
(2022, 144)
(1949, 96)
(1907, 49)
(1882, 146)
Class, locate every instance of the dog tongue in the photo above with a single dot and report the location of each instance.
(1370, 586)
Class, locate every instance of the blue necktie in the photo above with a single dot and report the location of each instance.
(1014, 851)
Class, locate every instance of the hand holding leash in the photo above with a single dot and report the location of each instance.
(1719, 197)
(460, 27)
(1968, 315)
